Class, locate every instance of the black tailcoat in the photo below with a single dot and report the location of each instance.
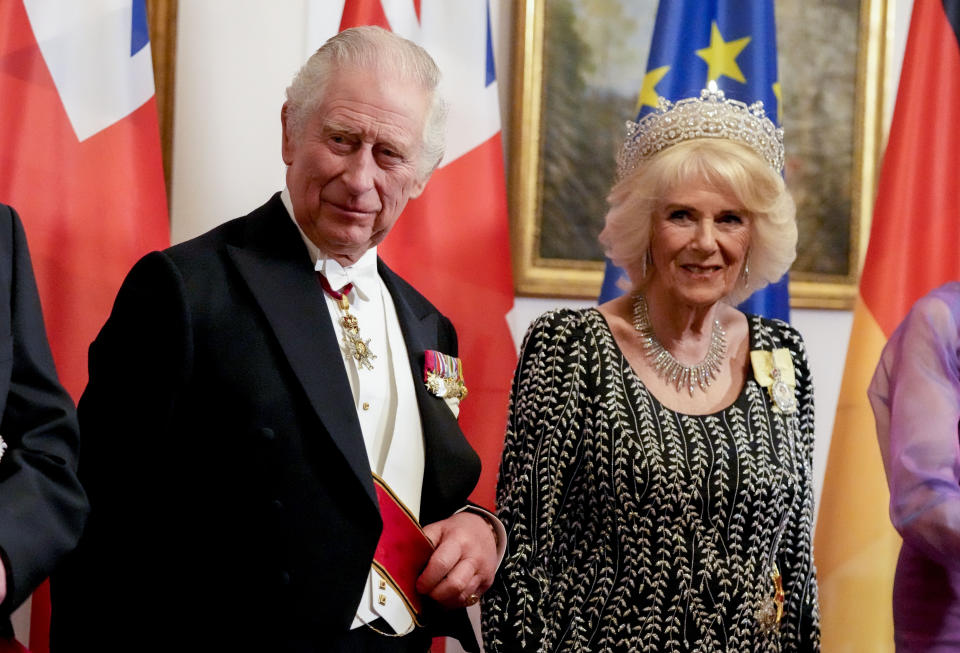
(42, 506)
(232, 502)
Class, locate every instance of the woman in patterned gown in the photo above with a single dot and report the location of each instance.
(656, 481)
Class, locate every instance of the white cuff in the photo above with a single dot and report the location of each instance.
(499, 531)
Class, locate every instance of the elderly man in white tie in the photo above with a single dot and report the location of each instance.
(271, 412)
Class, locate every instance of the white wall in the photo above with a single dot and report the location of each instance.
(234, 60)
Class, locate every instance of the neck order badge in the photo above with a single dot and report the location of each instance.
(357, 347)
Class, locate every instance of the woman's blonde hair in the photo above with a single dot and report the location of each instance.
(730, 168)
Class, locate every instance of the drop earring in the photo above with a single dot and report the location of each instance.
(647, 262)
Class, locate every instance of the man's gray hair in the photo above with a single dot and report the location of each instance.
(371, 47)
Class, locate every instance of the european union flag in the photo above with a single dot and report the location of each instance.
(733, 42)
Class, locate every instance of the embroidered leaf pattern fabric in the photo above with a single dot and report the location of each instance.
(632, 527)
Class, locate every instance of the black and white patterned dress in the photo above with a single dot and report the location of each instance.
(632, 527)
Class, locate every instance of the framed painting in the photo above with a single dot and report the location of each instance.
(578, 65)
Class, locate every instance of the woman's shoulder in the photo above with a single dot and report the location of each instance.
(562, 320)
(939, 307)
(934, 318)
(561, 326)
(773, 332)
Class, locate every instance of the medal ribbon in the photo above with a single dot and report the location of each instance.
(444, 366)
(336, 294)
(443, 375)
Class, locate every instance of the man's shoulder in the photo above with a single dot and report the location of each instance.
(204, 259)
(238, 232)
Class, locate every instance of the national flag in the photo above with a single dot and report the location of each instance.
(81, 163)
(914, 245)
(733, 43)
(452, 243)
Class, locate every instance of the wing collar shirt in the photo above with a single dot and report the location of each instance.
(385, 401)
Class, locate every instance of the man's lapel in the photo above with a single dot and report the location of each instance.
(451, 467)
(274, 263)
(420, 329)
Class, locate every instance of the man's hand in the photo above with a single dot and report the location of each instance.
(464, 563)
(3, 582)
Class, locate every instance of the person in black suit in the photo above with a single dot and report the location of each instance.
(236, 411)
(42, 506)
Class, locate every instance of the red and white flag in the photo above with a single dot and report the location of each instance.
(80, 160)
(452, 243)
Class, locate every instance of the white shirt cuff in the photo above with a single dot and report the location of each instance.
(499, 531)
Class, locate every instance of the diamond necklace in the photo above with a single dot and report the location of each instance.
(668, 367)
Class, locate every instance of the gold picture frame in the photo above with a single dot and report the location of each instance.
(162, 23)
(539, 272)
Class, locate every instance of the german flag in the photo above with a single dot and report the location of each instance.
(914, 247)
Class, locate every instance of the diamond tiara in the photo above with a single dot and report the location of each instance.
(709, 116)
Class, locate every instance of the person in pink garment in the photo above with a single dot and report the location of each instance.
(915, 395)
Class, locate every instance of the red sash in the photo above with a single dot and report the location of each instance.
(12, 646)
(403, 550)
